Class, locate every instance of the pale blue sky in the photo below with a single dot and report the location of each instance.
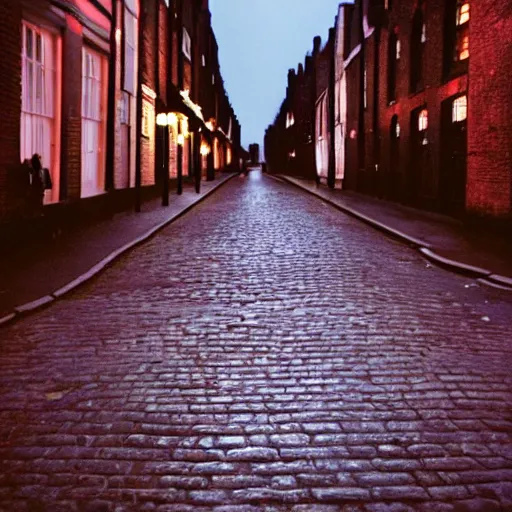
(259, 40)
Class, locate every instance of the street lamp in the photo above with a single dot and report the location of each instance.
(162, 120)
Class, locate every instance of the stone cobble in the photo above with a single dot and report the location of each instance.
(265, 353)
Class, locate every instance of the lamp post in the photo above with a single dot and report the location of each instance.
(162, 122)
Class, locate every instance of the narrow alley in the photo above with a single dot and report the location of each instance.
(263, 353)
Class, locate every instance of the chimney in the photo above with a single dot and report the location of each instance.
(309, 63)
(291, 77)
(332, 35)
(317, 43)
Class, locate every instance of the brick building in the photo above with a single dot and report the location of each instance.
(85, 81)
(427, 114)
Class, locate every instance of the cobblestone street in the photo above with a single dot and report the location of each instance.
(263, 353)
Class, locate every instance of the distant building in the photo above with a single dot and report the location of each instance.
(254, 150)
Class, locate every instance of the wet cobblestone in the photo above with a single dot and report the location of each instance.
(263, 353)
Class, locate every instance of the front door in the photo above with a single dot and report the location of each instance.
(452, 180)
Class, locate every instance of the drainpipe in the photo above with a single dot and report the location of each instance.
(180, 87)
(362, 67)
(138, 154)
(111, 108)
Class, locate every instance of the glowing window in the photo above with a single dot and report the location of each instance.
(424, 33)
(462, 13)
(290, 120)
(148, 118)
(460, 109)
(398, 47)
(423, 120)
(397, 130)
(463, 48)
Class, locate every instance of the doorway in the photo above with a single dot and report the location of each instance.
(452, 182)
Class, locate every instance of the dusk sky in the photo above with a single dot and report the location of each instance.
(259, 40)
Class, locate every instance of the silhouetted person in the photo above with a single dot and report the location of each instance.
(36, 185)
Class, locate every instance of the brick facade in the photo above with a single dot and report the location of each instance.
(10, 80)
(409, 66)
(490, 109)
(103, 30)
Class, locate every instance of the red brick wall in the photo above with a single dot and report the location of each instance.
(71, 145)
(149, 50)
(489, 184)
(10, 85)
(432, 95)
(163, 46)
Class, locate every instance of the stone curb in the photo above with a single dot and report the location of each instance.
(29, 307)
(483, 275)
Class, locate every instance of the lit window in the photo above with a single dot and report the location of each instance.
(130, 64)
(93, 122)
(424, 33)
(203, 60)
(39, 99)
(460, 109)
(290, 120)
(148, 121)
(397, 130)
(423, 120)
(213, 79)
(463, 48)
(462, 13)
(398, 47)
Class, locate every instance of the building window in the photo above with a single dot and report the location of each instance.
(148, 119)
(422, 126)
(418, 39)
(213, 79)
(397, 129)
(187, 45)
(203, 60)
(456, 37)
(130, 65)
(290, 120)
(38, 101)
(460, 109)
(93, 114)
(462, 30)
(393, 58)
(462, 13)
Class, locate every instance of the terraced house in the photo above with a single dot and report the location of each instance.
(84, 82)
(420, 108)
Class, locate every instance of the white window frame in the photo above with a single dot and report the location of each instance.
(130, 52)
(93, 122)
(460, 109)
(39, 101)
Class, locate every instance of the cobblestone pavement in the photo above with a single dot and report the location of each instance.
(263, 353)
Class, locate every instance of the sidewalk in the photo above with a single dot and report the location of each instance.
(441, 239)
(44, 277)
